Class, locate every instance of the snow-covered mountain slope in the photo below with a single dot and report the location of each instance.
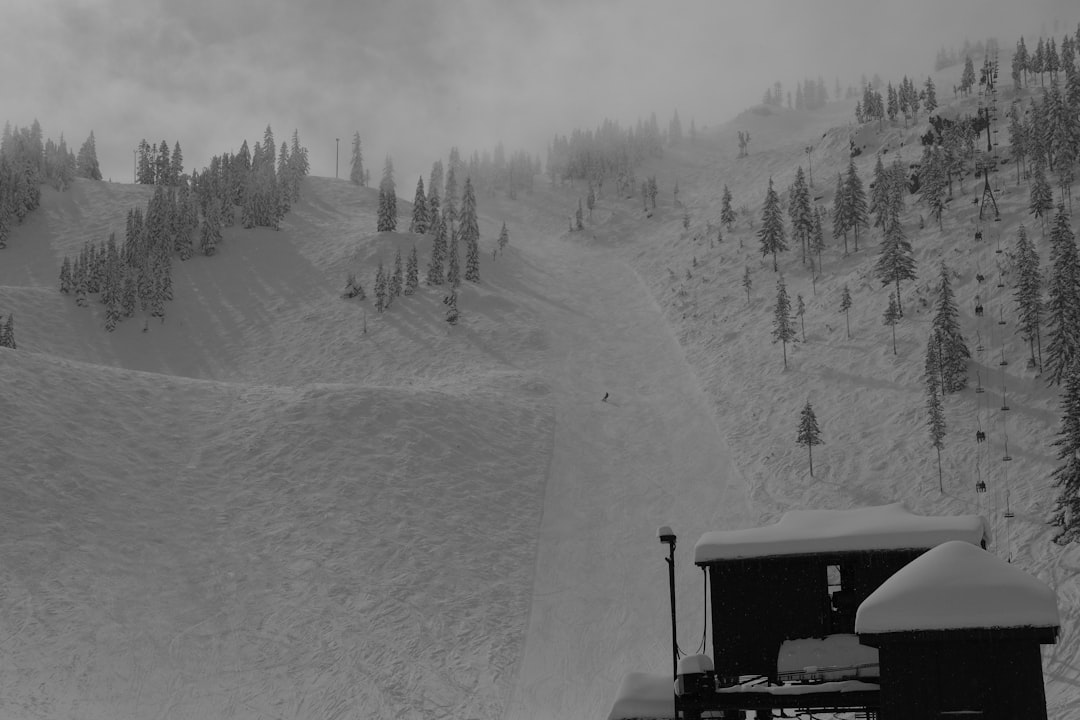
(869, 401)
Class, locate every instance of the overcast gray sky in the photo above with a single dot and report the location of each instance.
(415, 77)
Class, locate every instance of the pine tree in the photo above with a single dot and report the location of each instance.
(747, 283)
(930, 96)
(809, 433)
(954, 351)
(7, 332)
(449, 197)
(1063, 302)
(896, 261)
(438, 252)
(452, 314)
(967, 79)
(504, 238)
(412, 272)
(397, 279)
(772, 234)
(353, 288)
(845, 306)
(211, 228)
(176, 165)
(87, 162)
(65, 276)
(933, 182)
(419, 224)
(783, 328)
(1028, 294)
(935, 421)
(800, 312)
(802, 217)
(590, 200)
(840, 212)
(130, 293)
(1042, 197)
(855, 202)
(453, 271)
(817, 237)
(892, 316)
(381, 295)
(879, 194)
(387, 221)
(356, 172)
(727, 215)
(470, 232)
(1066, 477)
(579, 217)
(162, 164)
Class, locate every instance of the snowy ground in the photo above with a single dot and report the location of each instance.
(256, 510)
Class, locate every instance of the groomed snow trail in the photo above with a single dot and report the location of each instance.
(650, 455)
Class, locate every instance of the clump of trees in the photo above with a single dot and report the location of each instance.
(7, 332)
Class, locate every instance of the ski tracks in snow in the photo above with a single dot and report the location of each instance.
(651, 455)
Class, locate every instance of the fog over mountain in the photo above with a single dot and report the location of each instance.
(415, 78)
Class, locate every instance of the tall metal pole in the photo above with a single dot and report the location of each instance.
(337, 146)
(667, 536)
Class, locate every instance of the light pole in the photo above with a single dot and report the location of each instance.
(667, 536)
(337, 146)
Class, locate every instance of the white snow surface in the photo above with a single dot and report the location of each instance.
(643, 695)
(256, 510)
(833, 651)
(886, 527)
(957, 586)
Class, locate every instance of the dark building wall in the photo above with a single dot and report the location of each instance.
(759, 603)
(1002, 679)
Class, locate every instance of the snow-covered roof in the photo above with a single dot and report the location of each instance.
(799, 532)
(644, 695)
(958, 586)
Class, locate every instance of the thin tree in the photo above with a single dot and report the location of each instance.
(840, 213)
(453, 263)
(381, 295)
(419, 224)
(783, 328)
(747, 283)
(727, 215)
(809, 433)
(858, 216)
(1028, 294)
(802, 216)
(470, 232)
(935, 422)
(504, 238)
(845, 306)
(387, 221)
(397, 278)
(896, 262)
(817, 240)
(892, 316)
(1042, 196)
(438, 252)
(1063, 302)
(800, 312)
(412, 272)
(772, 234)
(1066, 477)
(954, 351)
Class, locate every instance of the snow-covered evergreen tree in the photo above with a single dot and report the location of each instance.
(845, 306)
(353, 288)
(857, 214)
(1042, 196)
(840, 212)
(896, 261)
(387, 220)
(453, 263)
(87, 162)
(211, 228)
(892, 316)
(1028, 294)
(800, 312)
(799, 209)
(412, 272)
(1063, 302)
(382, 297)
(419, 224)
(954, 351)
(470, 232)
(65, 276)
(935, 420)
(1066, 477)
(727, 215)
(933, 182)
(452, 314)
(397, 280)
(772, 233)
(176, 165)
(817, 237)
(930, 96)
(504, 238)
(356, 164)
(438, 251)
(747, 283)
(783, 326)
(809, 433)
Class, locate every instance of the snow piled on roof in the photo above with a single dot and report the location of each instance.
(798, 532)
(955, 586)
(644, 695)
